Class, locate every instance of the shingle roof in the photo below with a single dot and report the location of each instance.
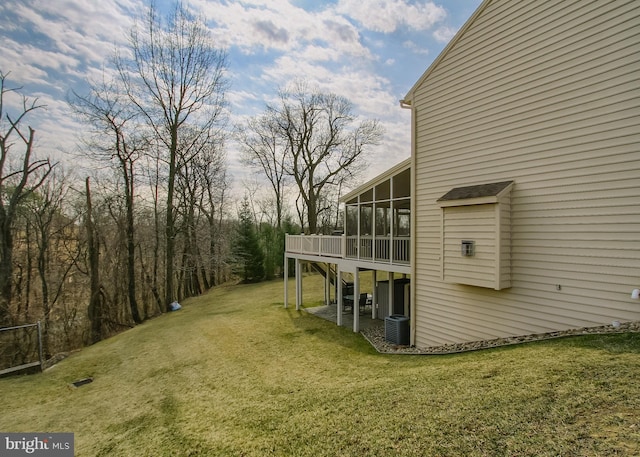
(481, 190)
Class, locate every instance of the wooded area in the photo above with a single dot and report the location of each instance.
(89, 256)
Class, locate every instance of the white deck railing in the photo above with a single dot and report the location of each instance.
(382, 250)
(324, 246)
(401, 250)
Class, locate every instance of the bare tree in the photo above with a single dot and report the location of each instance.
(55, 258)
(150, 268)
(215, 182)
(264, 149)
(176, 78)
(188, 196)
(97, 300)
(116, 138)
(20, 175)
(324, 144)
(201, 186)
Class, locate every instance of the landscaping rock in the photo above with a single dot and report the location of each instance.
(375, 336)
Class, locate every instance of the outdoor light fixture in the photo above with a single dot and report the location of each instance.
(635, 294)
(467, 248)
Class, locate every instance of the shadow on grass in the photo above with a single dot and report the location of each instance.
(309, 325)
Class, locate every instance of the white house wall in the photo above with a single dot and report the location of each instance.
(545, 93)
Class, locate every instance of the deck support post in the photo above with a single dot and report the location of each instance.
(374, 295)
(339, 305)
(327, 285)
(337, 285)
(391, 294)
(356, 301)
(298, 284)
(286, 281)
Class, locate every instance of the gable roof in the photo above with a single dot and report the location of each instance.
(407, 100)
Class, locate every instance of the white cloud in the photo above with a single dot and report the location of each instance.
(57, 44)
(279, 26)
(387, 16)
(253, 23)
(329, 45)
(271, 31)
(242, 97)
(20, 69)
(57, 120)
(50, 48)
(414, 47)
(86, 30)
(55, 129)
(444, 34)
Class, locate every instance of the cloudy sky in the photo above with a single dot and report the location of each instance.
(370, 51)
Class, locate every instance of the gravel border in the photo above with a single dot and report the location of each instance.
(375, 336)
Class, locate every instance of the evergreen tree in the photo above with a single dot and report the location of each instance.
(269, 236)
(247, 250)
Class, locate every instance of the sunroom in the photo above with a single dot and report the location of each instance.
(376, 239)
(378, 220)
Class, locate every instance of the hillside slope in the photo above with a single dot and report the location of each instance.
(234, 373)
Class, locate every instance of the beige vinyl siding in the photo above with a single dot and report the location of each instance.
(476, 223)
(546, 94)
(503, 240)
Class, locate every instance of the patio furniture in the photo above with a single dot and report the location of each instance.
(347, 296)
(347, 302)
(363, 302)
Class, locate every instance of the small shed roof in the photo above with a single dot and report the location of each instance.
(478, 191)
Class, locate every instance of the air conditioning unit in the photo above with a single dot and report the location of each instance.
(396, 329)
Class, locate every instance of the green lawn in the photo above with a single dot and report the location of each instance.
(234, 373)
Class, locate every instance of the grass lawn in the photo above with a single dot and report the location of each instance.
(234, 373)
